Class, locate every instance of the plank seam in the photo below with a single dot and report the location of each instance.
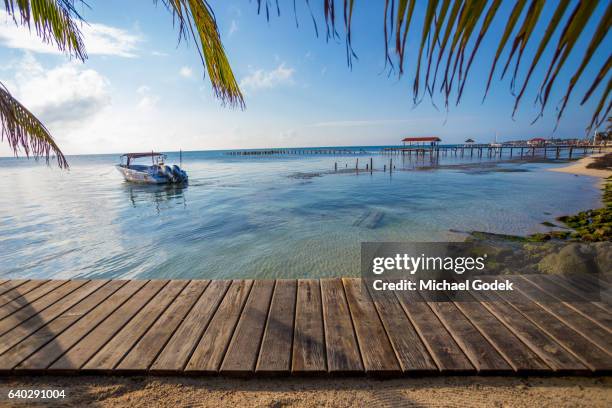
(246, 300)
(14, 287)
(76, 321)
(212, 315)
(52, 320)
(421, 336)
(34, 300)
(324, 343)
(45, 308)
(177, 327)
(568, 304)
(101, 322)
(564, 284)
(263, 333)
(42, 282)
(454, 336)
(563, 320)
(123, 325)
(548, 333)
(395, 352)
(152, 323)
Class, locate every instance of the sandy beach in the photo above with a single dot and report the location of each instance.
(320, 392)
(579, 168)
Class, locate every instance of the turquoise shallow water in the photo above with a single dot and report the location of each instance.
(261, 217)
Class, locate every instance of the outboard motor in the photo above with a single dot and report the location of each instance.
(178, 173)
(167, 171)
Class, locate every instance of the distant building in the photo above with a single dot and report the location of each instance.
(422, 141)
(469, 141)
(536, 141)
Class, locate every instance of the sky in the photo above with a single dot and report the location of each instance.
(140, 89)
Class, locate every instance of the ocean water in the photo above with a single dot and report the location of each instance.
(277, 216)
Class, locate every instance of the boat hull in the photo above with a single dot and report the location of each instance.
(144, 177)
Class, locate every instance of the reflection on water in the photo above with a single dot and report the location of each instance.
(156, 194)
(262, 216)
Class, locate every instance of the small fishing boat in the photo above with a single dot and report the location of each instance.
(156, 173)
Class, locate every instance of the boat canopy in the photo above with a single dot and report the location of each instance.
(137, 155)
(153, 155)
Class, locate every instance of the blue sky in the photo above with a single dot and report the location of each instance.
(139, 90)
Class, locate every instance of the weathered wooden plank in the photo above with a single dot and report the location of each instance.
(515, 352)
(308, 342)
(409, 349)
(343, 355)
(277, 342)
(209, 352)
(480, 352)
(7, 285)
(376, 350)
(29, 326)
(121, 343)
(447, 355)
(148, 347)
(20, 290)
(46, 355)
(35, 296)
(176, 353)
(24, 349)
(38, 306)
(580, 289)
(589, 310)
(586, 327)
(590, 355)
(551, 352)
(82, 351)
(593, 285)
(243, 349)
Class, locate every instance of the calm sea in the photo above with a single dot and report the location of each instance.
(279, 216)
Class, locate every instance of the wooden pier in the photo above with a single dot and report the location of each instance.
(473, 151)
(297, 152)
(508, 151)
(298, 327)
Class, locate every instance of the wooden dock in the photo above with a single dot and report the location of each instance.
(297, 327)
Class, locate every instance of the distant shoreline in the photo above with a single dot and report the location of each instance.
(579, 168)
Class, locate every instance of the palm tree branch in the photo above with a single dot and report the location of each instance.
(23, 131)
(55, 22)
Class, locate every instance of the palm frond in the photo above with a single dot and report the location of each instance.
(452, 32)
(195, 19)
(55, 21)
(23, 131)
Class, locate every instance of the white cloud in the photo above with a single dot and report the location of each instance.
(233, 28)
(148, 100)
(99, 39)
(62, 96)
(261, 79)
(186, 72)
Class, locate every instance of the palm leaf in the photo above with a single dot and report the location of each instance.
(552, 27)
(569, 37)
(196, 20)
(55, 21)
(514, 15)
(598, 118)
(596, 40)
(23, 131)
(483, 30)
(429, 16)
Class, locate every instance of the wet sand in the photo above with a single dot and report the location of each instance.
(103, 391)
(580, 168)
